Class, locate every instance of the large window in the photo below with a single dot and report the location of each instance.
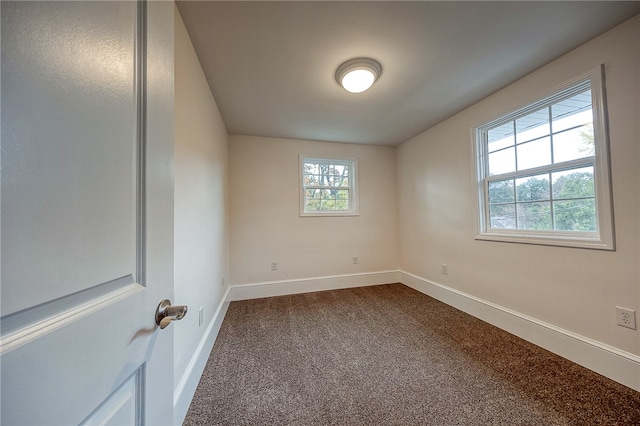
(328, 186)
(543, 170)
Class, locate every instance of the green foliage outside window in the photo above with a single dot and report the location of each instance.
(530, 205)
(327, 185)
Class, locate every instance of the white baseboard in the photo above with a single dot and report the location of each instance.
(307, 285)
(611, 362)
(186, 388)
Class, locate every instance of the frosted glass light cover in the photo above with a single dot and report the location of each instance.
(357, 75)
(358, 80)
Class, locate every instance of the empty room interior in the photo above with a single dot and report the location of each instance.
(285, 183)
(274, 100)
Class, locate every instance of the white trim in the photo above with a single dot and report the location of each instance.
(308, 285)
(611, 362)
(125, 401)
(47, 325)
(186, 387)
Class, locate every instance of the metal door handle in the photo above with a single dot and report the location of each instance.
(165, 313)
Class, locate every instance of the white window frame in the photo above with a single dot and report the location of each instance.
(352, 163)
(603, 238)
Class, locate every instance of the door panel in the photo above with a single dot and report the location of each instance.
(70, 181)
(122, 407)
(87, 212)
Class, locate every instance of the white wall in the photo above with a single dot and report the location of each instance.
(266, 225)
(201, 217)
(573, 289)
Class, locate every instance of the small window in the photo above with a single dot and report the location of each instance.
(543, 170)
(328, 186)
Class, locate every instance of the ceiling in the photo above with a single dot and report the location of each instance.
(271, 65)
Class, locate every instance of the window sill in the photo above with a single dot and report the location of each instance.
(585, 242)
(330, 214)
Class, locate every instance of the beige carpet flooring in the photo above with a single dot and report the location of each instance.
(389, 355)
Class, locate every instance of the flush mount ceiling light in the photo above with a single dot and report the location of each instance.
(357, 75)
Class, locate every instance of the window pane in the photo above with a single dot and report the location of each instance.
(503, 216)
(311, 168)
(575, 215)
(341, 205)
(502, 161)
(534, 216)
(342, 194)
(500, 137)
(341, 180)
(576, 183)
(312, 205)
(533, 126)
(534, 154)
(326, 174)
(501, 191)
(326, 205)
(533, 188)
(572, 112)
(333, 204)
(333, 178)
(311, 180)
(311, 194)
(573, 144)
(326, 200)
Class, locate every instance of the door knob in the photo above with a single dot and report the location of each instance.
(165, 313)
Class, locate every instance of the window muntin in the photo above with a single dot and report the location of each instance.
(543, 170)
(328, 187)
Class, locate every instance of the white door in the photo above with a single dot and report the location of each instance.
(87, 212)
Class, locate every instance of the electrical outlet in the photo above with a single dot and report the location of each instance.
(444, 269)
(200, 316)
(626, 317)
(274, 266)
(355, 260)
